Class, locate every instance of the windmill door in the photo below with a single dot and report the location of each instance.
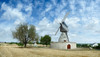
(68, 46)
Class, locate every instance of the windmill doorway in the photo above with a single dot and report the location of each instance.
(68, 46)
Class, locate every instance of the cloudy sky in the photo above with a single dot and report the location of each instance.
(83, 20)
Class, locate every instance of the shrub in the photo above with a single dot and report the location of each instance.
(46, 40)
(20, 44)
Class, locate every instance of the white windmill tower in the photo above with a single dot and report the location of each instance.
(64, 30)
(63, 42)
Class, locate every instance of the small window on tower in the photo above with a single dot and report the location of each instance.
(64, 40)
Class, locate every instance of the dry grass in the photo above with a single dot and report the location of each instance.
(15, 51)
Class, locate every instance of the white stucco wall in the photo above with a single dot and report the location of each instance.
(73, 45)
(62, 45)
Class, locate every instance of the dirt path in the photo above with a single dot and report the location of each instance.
(14, 51)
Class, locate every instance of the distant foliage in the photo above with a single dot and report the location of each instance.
(83, 45)
(12, 43)
(88, 45)
(19, 44)
(45, 40)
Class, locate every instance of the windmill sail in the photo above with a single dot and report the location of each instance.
(57, 30)
(65, 17)
(63, 27)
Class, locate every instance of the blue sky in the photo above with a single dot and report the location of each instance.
(83, 20)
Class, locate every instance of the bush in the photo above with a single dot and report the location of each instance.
(45, 40)
(20, 44)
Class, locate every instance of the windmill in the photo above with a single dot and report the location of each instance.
(63, 29)
(63, 42)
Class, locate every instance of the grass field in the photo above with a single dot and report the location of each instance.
(13, 50)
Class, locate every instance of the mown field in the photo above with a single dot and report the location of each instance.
(12, 50)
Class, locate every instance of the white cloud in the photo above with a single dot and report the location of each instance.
(19, 6)
(16, 14)
(72, 6)
(47, 9)
(58, 9)
(28, 9)
(13, 16)
(81, 28)
(46, 27)
(12, 13)
(92, 24)
(77, 31)
(5, 33)
(73, 22)
(54, 2)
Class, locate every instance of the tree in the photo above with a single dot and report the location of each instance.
(24, 33)
(42, 40)
(45, 40)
